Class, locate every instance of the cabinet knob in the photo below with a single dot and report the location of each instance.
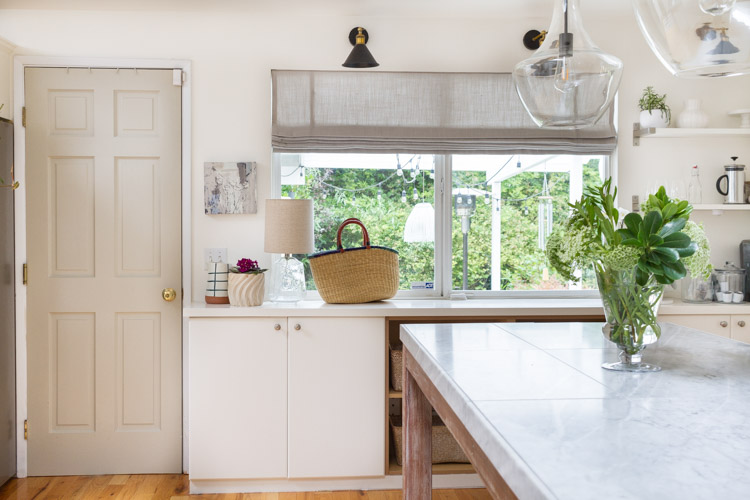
(741, 323)
(724, 324)
(297, 326)
(277, 327)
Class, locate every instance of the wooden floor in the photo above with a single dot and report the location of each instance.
(175, 487)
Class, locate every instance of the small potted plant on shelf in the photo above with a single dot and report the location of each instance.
(633, 258)
(654, 110)
(246, 283)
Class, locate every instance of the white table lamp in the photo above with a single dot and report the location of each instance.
(289, 230)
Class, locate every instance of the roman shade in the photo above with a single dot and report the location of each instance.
(437, 113)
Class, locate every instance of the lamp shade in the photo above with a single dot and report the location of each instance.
(698, 38)
(289, 226)
(360, 56)
(420, 225)
(569, 82)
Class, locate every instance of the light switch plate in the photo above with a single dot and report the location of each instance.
(213, 255)
(636, 203)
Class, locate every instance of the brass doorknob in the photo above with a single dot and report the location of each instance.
(168, 294)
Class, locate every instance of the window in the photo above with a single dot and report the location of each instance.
(491, 225)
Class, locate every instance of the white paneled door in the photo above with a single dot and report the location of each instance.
(103, 224)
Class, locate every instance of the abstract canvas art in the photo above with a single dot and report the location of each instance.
(230, 188)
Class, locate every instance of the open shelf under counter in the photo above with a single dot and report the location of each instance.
(677, 133)
(450, 468)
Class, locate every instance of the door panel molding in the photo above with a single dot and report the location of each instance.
(20, 63)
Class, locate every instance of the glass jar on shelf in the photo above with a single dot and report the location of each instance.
(696, 289)
(729, 284)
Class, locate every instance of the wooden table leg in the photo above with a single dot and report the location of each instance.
(417, 440)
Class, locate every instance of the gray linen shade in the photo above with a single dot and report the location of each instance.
(289, 226)
(430, 113)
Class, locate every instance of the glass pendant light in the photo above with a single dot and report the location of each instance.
(420, 225)
(698, 38)
(568, 82)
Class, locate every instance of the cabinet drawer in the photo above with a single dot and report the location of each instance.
(718, 324)
(741, 327)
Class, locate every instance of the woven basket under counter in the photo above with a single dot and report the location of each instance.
(445, 449)
(355, 275)
(396, 367)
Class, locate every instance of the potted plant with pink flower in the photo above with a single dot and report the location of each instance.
(246, 283)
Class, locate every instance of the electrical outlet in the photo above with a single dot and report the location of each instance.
(213, 255)
(636, 203)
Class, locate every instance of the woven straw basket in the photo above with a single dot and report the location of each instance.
(355, 275)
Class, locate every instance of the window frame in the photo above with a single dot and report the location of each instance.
(444, 241)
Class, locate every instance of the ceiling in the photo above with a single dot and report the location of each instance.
(410, 8)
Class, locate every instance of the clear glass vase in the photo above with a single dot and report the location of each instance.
(631, 312)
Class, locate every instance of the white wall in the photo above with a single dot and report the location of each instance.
(233, 53)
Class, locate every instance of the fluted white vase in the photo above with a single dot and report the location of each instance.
(246, 289)
(692, 116)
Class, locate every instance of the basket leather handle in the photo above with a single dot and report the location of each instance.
(365, 236)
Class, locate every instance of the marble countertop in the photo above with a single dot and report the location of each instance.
(407, 307)
(521, 306)
(557, 425)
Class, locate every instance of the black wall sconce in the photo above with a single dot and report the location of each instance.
(533, 39)
(360, 56)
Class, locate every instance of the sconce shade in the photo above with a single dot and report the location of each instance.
(360, 56)
(569, 82)
(697, 38)
(289, 226)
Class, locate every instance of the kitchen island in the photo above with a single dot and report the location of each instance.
(539, 418)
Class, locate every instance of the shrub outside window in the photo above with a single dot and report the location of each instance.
(498, 212)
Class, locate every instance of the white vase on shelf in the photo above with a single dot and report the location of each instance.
(655, 118)
(692, 116)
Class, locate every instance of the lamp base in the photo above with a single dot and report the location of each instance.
(287, 280)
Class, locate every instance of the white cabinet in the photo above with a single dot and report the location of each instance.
(735, 326)
(237, 398)
(303, 391)
(718, 324)
(336, 397)
(741, 327)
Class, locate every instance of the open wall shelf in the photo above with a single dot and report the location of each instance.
(677, 133)
(719, 208)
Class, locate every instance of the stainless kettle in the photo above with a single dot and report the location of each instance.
(735, 176)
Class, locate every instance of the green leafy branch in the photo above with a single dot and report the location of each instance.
(662, 245)
(650, 100)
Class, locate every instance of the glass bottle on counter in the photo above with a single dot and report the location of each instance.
(694, 188)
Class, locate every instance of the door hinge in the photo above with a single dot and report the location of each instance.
(178, 77)
(23, 116)
(26, 429)
(25, 274)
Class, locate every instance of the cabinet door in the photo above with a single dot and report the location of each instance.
(336, 397)
(718, 324)
(741, 327)
(237, 395)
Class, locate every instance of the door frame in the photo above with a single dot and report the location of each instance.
(20, 63)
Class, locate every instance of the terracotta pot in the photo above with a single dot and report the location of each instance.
(246, 289)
